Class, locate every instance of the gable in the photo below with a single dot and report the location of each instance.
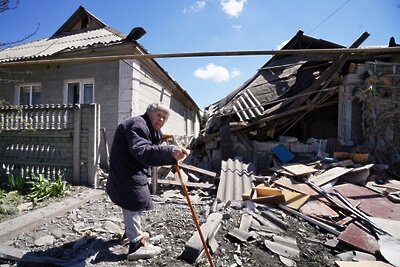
(79, 21)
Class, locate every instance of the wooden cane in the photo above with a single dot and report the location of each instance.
(196, 221)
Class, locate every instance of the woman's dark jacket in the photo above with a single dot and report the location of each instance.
(135, 148)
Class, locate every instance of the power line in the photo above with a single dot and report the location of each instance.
(333, 13)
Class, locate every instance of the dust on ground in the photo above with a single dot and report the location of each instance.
(85, 236)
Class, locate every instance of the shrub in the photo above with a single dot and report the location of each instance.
(42, 188)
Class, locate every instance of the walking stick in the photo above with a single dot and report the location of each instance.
(203, 241)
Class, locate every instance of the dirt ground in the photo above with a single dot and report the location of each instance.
(89, 235)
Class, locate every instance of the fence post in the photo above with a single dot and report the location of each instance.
(76, 179)
(93, 131)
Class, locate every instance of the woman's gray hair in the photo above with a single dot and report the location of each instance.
(157, 107)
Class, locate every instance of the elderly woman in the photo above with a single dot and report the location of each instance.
(135, 148)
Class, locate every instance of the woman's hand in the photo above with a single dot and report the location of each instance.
(178, 153)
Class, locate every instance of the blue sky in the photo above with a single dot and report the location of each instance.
(214, 25)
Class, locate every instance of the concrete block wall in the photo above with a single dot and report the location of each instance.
(46, 146)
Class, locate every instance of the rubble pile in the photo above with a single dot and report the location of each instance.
(333, 211)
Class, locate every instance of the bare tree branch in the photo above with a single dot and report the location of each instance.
(23, 39)
(5, 5)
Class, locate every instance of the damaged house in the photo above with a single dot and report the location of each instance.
(312, 104)
(313, 135)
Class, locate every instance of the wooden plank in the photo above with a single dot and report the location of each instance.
(345, 221)
(294, 200)
(154, 178)
(298, 187)
(299, 169)
(328, 74)
(188, 184)
(329, 175)
(196, 169)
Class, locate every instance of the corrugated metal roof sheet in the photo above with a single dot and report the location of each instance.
(50, 46)
(247, 106)
(235, 179)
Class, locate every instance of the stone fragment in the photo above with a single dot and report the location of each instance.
(44, 240)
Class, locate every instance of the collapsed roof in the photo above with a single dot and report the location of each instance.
(287, 87)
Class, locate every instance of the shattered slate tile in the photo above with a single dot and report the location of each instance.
(283, 246)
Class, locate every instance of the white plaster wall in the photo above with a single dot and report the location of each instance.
(138, 88)
(126, 83)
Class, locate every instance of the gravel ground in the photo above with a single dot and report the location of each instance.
(89, 235)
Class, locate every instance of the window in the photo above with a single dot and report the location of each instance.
(29, 94)
(79, 92)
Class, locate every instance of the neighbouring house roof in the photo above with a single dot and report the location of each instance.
(275, 86)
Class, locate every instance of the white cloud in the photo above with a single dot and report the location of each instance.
(233, 7)
(237, 27)
(279, 46)
(196, 7)
(216, 73)
(235, 73)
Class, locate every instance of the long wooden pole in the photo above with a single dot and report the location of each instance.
(332, 51)
(196, 221)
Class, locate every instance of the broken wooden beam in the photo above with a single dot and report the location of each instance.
(196, 169)
(188, 184)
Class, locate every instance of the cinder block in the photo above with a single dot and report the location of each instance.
(299, 148)
(264, 146)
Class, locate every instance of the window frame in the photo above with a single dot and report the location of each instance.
(82, 83)
(30, 85)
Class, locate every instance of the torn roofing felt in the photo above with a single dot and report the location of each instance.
(276, 84)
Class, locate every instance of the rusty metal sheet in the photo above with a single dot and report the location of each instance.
(371, 202)
(359, 238)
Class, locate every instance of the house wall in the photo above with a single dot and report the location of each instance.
(52, 78)
(122, 88)
(139, 87)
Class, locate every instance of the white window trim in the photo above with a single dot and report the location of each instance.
(81, 83)
(18, 91)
